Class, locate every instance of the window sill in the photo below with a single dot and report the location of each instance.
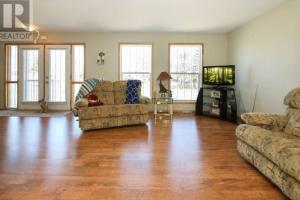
(184, 102)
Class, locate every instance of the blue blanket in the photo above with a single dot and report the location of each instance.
(132, 96)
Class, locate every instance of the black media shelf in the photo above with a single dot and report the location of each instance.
(217, 102)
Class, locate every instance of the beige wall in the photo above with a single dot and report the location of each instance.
(266, 53)
(215, 50)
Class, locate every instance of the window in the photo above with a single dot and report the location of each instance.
(77, 68)
(185, 69)
(136, 63)
(12, 76)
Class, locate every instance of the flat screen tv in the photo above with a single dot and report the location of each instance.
(218, 75)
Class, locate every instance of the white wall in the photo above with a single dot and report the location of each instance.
(215, 50)
(266, 53)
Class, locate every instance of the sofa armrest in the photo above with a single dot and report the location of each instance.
(80, 103)
(267, 121)
(145, 100)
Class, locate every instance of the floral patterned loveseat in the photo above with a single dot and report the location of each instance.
(114, 112)
(271, 143)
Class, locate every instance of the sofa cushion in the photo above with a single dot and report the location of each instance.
(120, 85)
(119, 97)
(119, 92)
(107, 98)
(108, 122)
(267, 121)
(112, 111)
(104, 86)
(95, 112)
(292, 99)
(293, 124)
(282, 149)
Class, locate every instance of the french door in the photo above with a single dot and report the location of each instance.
(57, 77)
(44, 73)
(31, 71)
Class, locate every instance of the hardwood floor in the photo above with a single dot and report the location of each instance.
(192, 158)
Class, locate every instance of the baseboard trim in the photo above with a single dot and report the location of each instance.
(179, 112)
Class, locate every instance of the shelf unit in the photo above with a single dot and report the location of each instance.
(217, 102)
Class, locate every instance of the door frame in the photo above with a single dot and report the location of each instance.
(5, 58)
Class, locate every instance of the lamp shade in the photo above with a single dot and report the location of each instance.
(163, 76)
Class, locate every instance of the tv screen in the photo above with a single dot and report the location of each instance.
(218, 75)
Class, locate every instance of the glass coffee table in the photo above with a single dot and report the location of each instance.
(163, 101)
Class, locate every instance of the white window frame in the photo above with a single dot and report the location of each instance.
(120, 73)
(200, 70)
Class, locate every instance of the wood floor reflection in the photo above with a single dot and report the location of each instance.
(191, 158)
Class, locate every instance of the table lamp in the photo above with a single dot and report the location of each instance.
(164, 76)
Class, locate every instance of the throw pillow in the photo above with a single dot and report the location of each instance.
(93, 100)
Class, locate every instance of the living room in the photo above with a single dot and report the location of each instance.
(71, 127)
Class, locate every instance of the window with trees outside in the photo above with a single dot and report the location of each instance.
(136, 63)
(186, 70)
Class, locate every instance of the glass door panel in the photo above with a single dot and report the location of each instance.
(31, 76)
(57, 77)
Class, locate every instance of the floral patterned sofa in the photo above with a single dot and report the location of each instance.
(114, 112)
(272, 144)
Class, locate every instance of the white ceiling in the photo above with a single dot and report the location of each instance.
(147, 15)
